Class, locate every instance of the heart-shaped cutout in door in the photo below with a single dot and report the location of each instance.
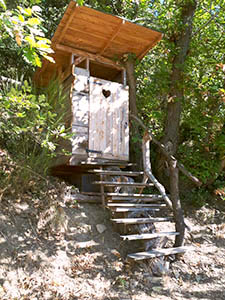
(106, 93)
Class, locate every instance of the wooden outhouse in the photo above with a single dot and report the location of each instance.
(88, 46)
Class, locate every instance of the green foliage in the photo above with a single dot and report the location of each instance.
(2, 4)
(202, 136)
(24, 27)
(30, 126)
(198, 197)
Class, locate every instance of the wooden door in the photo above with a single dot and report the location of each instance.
(108, 120)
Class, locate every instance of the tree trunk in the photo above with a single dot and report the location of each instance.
(176, 95)
(177, 210)
(130, 69)
(135, 136)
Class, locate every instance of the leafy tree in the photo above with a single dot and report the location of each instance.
(22, 35)
(181, 81)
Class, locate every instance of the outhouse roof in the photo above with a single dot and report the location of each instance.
(100, 36)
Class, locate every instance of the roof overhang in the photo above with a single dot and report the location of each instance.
(101, 37)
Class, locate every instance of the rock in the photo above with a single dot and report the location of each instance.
(133, 284)
(157, 289)
(159, 267)
(156, 280)
(101, 228)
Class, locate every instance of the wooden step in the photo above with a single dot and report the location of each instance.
(115, 173)
(104, 162)
(133, 184)
(138, 200)
(158, 252)
(141, 220)
(129, 209)
(135, 205)
(147, 236)
(126, 196)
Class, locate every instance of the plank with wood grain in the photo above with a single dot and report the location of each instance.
(147, 236)
(159, 252)
(141, 220)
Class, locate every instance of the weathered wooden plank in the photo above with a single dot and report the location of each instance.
(107, 162)
(124, 124)
(98, 27)
(80, 198)
(86, 36)
(69, 19)
(140, 32)
(129, 209)
(107, 100)
(66, 19)
(141, 220)
(92, 13)
(140, 196)
(147, 236)
(134, 184)
(141, 205)
(159, 252)
(116, 173)
(149, 47)
(83, 41)
(115, 33)
(99, 58)
(101, 30)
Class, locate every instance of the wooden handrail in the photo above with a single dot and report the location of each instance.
(174, 203)
(147, 168)
(162, 149)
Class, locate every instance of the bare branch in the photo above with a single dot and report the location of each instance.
(162, 148)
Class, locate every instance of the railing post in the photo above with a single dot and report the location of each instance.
(174, 196)
(148, 171)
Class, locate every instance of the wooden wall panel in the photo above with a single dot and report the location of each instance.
(80, 109)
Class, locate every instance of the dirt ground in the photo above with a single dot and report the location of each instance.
(70, 251)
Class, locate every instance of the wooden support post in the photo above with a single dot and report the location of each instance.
(102, 189)
(177, 210)
(148, 171)
(130, 71)
(124, 79)
(87, 64)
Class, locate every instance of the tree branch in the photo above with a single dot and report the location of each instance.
(162, 149)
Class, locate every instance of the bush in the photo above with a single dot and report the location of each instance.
(30, 125)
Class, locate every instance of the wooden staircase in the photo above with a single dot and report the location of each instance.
(124, 197)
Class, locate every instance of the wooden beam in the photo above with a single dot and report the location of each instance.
(112, 37)
(67, 72)
(150, 47)
(66, 25)
(89, 55)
